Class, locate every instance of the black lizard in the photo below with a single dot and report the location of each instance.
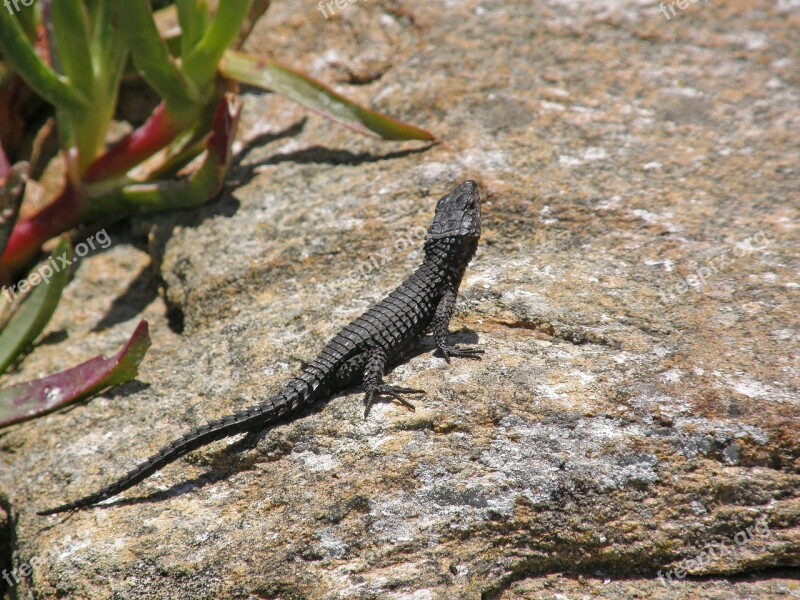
(362, 351)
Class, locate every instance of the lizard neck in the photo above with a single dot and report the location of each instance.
(448, 257)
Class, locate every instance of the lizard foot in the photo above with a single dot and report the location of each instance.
(389, 390)
(456, 352)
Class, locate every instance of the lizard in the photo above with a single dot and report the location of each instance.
(362, 351)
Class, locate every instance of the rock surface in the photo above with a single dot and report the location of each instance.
(636, 290)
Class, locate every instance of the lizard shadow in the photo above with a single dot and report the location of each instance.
(226, 462)
(232, 459)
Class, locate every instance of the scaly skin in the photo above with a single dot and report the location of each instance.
(363, 350)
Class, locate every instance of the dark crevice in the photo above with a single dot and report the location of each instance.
(365, 77)
(593, 570)
(646, 328)
(175, 318)
(574, 335)
(6, 546)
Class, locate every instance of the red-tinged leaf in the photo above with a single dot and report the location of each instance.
(271, 75)
(29, 400)
(28, 235)
(204, 182)
(159, 130)
(223, 128)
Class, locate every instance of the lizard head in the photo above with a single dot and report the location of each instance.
(458, 214)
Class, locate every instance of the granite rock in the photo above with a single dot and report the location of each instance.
(637, 412)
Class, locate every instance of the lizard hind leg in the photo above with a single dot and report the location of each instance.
(374, 386)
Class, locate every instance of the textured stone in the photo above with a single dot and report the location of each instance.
(624, 420)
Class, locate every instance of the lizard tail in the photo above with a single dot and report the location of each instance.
(248, 420)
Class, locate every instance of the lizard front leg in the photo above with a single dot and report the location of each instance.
(441, 329)
(373, 382)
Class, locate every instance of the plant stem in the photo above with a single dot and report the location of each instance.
(29, 234)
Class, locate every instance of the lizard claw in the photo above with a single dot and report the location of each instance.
(456, 352)
(389, 390)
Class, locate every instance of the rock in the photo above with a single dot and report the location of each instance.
(637, 412)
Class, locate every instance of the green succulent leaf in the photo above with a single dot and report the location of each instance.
(34, 314)
(71, 33)
(20, 54)
(271, 75)
(151, 57)
(200, 64)
(108, 54)
(194, 19)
